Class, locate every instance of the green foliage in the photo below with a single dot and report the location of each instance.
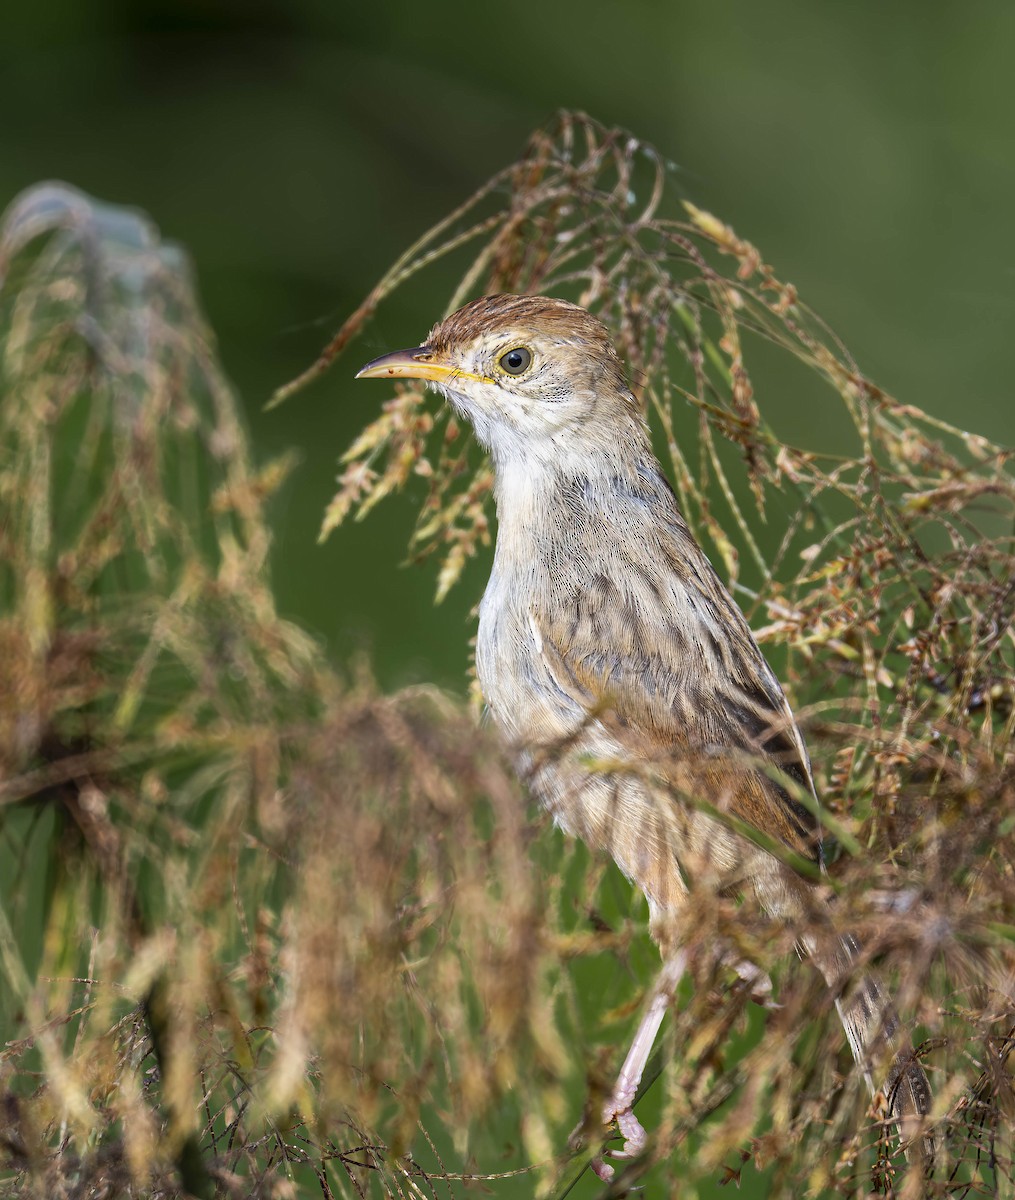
(267, 932)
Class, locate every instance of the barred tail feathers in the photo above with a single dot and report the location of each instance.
(875, 1033)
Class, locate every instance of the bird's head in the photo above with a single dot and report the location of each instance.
(532, 374)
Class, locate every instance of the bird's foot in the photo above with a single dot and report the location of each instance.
(633, 1133)
(631, 1130)
(621, 1103)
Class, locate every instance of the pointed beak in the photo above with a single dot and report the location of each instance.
(420, 363)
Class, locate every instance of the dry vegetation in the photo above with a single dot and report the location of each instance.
(267, 932)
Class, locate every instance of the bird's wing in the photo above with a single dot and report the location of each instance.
(669, 666)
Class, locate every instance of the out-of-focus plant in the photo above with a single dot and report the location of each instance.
(234, 884)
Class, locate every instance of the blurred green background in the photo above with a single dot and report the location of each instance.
(296, 148)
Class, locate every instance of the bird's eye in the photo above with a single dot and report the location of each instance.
(516, 361)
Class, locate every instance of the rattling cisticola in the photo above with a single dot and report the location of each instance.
(620, 671)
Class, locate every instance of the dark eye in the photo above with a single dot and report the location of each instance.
(516, 361)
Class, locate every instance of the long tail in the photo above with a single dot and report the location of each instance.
(876, 1035)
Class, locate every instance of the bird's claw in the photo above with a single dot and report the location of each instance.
(633, 1133)
(602, 1169)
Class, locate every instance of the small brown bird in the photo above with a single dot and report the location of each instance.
(621, 672)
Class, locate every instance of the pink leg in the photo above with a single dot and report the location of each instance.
(619, 1106)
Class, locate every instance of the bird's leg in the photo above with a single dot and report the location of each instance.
(619, 1107)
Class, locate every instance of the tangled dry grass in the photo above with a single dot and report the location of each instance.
(266, 932)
